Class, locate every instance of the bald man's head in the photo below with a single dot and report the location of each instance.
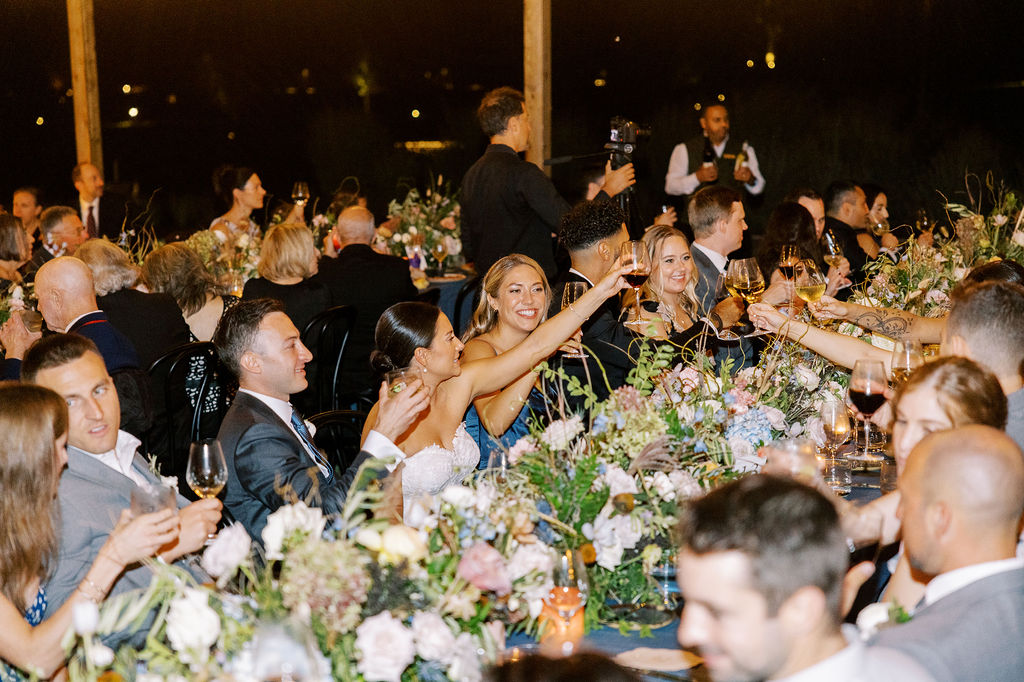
(65, 291)
(962, 498)
(355, 226)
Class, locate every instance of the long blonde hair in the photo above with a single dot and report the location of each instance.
(653, 239)
(485, 318)
(31, 420)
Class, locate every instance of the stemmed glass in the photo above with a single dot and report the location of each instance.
(569, 593)
(832, 252)
(907, 355)
(439, 251)
(571, 294)
(789, 256)
(808, 281)
(743, 278)
(207, 471)
(835, 420)
(634, 253)
(300, 193)
(867, 393)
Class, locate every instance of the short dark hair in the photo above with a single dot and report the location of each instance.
(52, 218)
(402, 329)
(588, 222)
(871, 192)
(990, 317)
(789, 223)
(798, 193)
(708, 206)
(497, 107)
(789, 532)
(995, 271)
(28, 189)
(237, 329)
(53, 351)
(837, 194)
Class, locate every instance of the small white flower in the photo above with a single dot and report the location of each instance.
(999, 220)
(1018, 238)
(806, 377)
(745, 457)
(223, 557)
(387, 648)
(85, 616)
(192, 626)
(243, 240)
(459, 496)
(618, 481)
(369, 538)
(98, 654)
(465, 665)
(434, 639)
(663, 485)
(400, 542)
(871, 619)
(287, 520)
(559, 433)
(530, 558)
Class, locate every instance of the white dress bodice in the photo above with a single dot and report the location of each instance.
(435, 467)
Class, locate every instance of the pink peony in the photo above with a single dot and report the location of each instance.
(691, 379)
(484, 568)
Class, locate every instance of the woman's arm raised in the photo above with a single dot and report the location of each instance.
(498, 410)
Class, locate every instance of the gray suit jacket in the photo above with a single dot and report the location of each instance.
(975, 633)
(92, 496)
(708, 294)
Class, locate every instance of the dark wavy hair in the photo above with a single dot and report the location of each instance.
(789, 223)
(402, 329)
(497, 107)
(228, 178)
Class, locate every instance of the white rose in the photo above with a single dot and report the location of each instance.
(529, 558)
(459, 496)
(192, 626)
(663, 485)
(609, 556)
(745, 457)
(400, 542)
(776, 417)
(287, 520)
(465, 665)
(685, 413)
(484, 497)
(368, 538)
(434, 639)
(806, 376)
(1018, 238)
(387, 648)
(618, 481)
(871, 618)
(559, 434)
(98, 655)
(686, 486)
(453, 245)
(85, 616)
(999, 220)
(462, 604)
(223, 557)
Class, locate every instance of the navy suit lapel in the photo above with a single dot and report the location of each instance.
(263, 414)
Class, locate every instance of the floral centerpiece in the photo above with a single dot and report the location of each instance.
(424, 229)
(982, 237)
(18, 296)
(231, 260)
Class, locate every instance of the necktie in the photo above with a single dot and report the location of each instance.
(307, 440)
(90, 223)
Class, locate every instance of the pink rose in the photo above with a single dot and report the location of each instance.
(691, 379)
(448, 223)
(484, 568)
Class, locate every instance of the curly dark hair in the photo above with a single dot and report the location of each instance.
(497, 107)
(588, 223)
(789, 223)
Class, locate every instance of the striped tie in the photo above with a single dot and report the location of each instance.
(311, 448)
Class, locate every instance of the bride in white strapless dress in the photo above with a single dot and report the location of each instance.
(419, 336)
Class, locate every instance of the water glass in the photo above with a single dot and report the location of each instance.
(887, 475)
(149, 498)
(838, 474)
(570, 294)
(795, 457)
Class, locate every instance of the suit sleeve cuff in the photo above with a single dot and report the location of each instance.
(381, 447)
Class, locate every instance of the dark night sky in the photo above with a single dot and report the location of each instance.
(905, 92)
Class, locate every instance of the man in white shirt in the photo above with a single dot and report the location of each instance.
(760, 569)
(269, 447)
(104, 466)
(962, 497)
(731, 163)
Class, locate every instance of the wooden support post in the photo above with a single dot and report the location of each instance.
(84, 82)
(537, 78)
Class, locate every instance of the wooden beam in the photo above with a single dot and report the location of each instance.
(537, 78)
(85, 83)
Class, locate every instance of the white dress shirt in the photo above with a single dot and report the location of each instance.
(577, 272)
(681, 180)
(718, 260)
(121, 457)
(947, 583)
(83, 209)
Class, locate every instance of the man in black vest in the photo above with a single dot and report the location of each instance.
(713, 158)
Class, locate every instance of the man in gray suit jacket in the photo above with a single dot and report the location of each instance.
(103, 468)
(269, 448)
(962, 499)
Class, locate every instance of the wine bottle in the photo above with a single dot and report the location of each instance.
(709, 153)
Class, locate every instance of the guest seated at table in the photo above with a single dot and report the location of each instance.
(14, 251)
(240, 189)
(878, 216)
(60, 234)
(962, 499)
(177, 270)
(288, 261)
(790, 224)
(846, 217)
(268, 445)
(152, 322)
(33, 435)
(25, 204)
(437, 449)
(760, 569)
(668, 300)
(515, 298)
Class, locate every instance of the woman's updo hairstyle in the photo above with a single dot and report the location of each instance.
(966, 392)
(402, 329)
(227, 179)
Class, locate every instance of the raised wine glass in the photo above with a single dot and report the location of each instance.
(207, 471)
(569, 592)
(832, 251)
(867, 394)
(300, 193)
(835, 421)
(789, 256)
(571, 294)
(634, 253)
(808, 281)
(743, 278)
(907, 355)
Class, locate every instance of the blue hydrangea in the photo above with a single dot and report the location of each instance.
(698, 415)
(545, 533)
(720, 416)
(544, 507)
(620, 420)
(600, 424)
(729, 399)
(602, 468)
(700, 446)
(752, 426)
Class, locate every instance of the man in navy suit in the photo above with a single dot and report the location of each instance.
(269, 447)
(962, 496)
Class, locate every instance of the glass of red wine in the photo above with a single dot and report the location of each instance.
(867, 394)
(634, 254)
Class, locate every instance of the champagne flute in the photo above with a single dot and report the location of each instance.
(808, 281)
(835, 421)
(907, 355)
(300, 193)
(207, 471)
(634, 253)
(867, 393)
(569, 592)
(832, 250)
(571, 294)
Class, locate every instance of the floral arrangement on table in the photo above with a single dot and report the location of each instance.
(919, 282)
(18, 296)
(231, 260)
(138, 242)
(998, 234)
(419, 224)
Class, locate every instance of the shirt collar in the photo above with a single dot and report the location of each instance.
(949, 582)
(577, 272)
(72, 323)
(717, 259)
(282, 408)
(122, 456)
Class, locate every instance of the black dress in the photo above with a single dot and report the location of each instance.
(301, 301)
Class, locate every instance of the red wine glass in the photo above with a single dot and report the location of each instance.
(634, 254)
(867, 394)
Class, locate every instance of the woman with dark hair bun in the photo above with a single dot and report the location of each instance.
(241, 190)
(790, 224)
(437, 451)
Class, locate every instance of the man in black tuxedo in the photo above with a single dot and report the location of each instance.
(369, 281)
(61, 232)
(268, 446)
(101, 218)
(508, 204)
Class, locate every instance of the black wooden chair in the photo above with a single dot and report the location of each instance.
(190, 399)
(431, 296)
(471, 288)
(326, 336)
(338, 433)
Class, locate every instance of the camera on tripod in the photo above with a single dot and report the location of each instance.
(622, 140)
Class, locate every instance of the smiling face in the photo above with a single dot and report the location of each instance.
(673, 266)
(281, 358)
(917, 414)
(94, 413)
(726, 619)
(521, 300)
(442, 358)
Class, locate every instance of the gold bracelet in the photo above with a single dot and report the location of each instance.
(577, 314)
(97, 595)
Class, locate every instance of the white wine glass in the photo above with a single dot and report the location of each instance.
(571, 294)
(439, 251)
(789, 256)
(207, 471)
(634, 254)
(570, 589)
(907, 355)
(743, 278)
(808, 281)
(832, 252)
(300, 193)
(835, 421)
